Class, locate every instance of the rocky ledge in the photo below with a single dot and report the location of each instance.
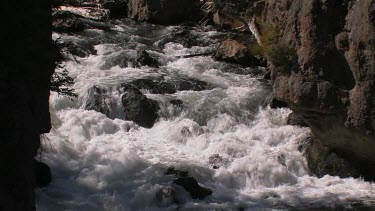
(322, 55)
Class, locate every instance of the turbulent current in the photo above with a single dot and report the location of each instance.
(225, 136)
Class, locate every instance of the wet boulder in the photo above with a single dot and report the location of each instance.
(68, 22)
(236, 51)
(144, 59)
(190, 184)
(42, 173)
(275, 103)
(117, 8)
(65, 21)
(98, 100)
(322, 161)
(138, 108)
(164, 12)
(296, 119)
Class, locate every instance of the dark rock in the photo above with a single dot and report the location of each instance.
(144, 59)
(176, 172)
(42, 174)
(122, 60)
(164, 12)
(176, 102)
(322, 161)
(138, 108)
(190, 84)
(275, 103)
(68, 22)
(26, 67)
(117, 8)
(82, 49)
(64, 21)
(267, 75)
(296, 119)
(170, 86)
(97, 100)
(154, 85)
(332, 78)
(235, 51)
(191, 185)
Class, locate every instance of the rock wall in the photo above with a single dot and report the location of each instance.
(330, 81)
(162, 11)
(26, 65)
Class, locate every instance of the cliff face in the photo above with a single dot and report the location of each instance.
(330, 81)
(25, 69)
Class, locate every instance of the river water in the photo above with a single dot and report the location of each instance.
(103, 162)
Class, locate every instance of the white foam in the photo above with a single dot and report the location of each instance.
(101, 163)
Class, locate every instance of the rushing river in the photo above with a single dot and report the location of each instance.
(103, 162)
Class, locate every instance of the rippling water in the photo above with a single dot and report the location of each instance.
(107, 163)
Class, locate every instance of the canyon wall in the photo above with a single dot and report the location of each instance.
(26, 65)
(328, 76)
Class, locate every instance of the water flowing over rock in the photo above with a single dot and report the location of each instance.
(189, 183)
(210, 118)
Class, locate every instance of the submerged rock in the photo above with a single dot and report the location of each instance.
(138, 108)
(170, 86)
(144, 59)
(189, 183)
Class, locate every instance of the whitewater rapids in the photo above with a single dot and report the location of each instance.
(107, 163)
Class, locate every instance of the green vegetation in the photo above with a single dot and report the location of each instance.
(283, 56)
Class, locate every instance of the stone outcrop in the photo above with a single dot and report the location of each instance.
(236, 51)
(162, 11)
(26, 66)
(323, 65)
(138, 108)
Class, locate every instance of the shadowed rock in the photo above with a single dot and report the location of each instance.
(296, 119)
(42, 174)
(162, 11)
(144, 59)
(138, 108)
(97, 100)
(189, 183)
